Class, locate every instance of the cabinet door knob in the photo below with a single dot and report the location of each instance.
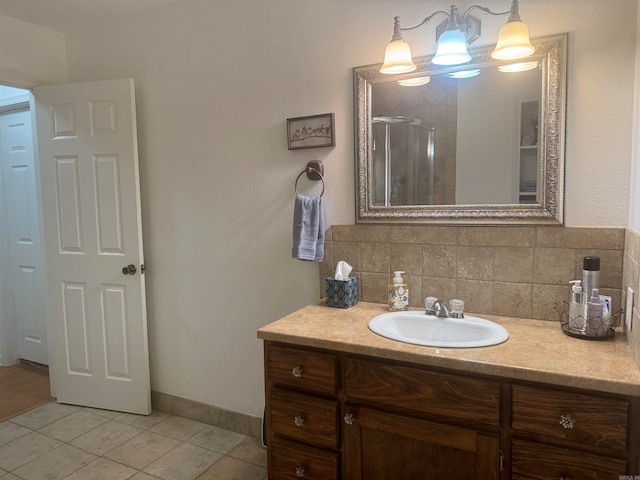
(349, 418)
(296, 371)
(567, 421)
(300, 472)
(298, 420)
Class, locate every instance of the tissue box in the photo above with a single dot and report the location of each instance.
(341, 293)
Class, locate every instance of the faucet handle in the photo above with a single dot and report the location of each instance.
(456, 308)
(429, 301)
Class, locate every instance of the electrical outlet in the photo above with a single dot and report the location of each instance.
(629, 309)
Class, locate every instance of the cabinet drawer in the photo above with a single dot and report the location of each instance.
(424, 391)
(301, 417)
(533, 461)
(577, 418)
(294, 461)
(310, 370)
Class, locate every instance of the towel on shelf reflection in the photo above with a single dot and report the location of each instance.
(308, 229)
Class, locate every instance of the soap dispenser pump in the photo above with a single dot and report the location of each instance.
(577, 308)
(398, 293)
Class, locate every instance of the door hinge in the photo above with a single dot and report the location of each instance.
(501, 460)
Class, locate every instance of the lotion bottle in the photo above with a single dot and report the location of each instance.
(595, 326)
(398, 293)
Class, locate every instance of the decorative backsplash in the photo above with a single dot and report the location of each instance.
(499, 270)
(631, 278)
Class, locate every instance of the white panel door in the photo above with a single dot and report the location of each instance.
(23, 233)
(96, 310)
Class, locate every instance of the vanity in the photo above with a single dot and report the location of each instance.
(345, 403)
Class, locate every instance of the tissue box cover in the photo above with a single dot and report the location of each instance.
(341, 293)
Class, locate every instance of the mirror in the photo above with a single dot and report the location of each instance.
(486, 148)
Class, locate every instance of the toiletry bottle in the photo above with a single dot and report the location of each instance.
(398, 293)
(590, 274)
(577, 308)
(595, 327)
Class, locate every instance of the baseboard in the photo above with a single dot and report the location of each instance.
(209, 414)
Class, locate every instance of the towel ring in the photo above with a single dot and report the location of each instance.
(312, 174)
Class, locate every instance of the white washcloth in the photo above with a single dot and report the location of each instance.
(308, 229)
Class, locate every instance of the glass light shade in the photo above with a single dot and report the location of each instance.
(465, 73)
(397, 58)
(452, 49)
(414, 82)
(513, 42)
(518, 67)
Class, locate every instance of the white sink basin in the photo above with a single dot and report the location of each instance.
(421, 329)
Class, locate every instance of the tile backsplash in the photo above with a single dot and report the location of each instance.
(515, 271)
(631, 278)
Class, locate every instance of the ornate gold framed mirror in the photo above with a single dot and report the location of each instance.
(481, 142)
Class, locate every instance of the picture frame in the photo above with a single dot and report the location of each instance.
(313, 131)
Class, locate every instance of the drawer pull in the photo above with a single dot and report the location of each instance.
(567, 421)
(299, 421)
(300, 472)
(349, 418)
(565, 478)
(296, 371)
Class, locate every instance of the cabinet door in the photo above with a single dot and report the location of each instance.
(382, 446)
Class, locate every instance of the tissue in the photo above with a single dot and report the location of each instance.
(341, 290)
(343, 269)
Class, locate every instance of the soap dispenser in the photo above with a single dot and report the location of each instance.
(398, 293)
(577, 308)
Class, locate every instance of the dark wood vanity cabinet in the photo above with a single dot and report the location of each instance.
(332, 415)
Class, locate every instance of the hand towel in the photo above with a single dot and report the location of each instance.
(308, 229)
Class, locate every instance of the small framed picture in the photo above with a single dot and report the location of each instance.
(310, 132)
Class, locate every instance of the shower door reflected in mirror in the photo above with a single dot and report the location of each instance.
(402, 161)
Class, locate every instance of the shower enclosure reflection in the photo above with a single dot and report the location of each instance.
(402, 161)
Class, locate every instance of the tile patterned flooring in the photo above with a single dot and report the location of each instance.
(56, 442)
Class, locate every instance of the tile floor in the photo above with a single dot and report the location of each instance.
(55, 442)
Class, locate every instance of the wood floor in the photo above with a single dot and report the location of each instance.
(22, 387)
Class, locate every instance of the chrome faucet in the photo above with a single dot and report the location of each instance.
(438, 309)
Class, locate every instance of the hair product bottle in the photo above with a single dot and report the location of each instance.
(590, 274)
(595, 326)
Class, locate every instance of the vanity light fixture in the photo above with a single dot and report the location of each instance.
(455, 34)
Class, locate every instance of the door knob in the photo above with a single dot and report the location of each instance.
(129, 269)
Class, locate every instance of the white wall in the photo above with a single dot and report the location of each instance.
(215, 81)
(488, 127)
(634, 197)
(30, 55)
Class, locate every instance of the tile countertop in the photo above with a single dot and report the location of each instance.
(536, 351)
